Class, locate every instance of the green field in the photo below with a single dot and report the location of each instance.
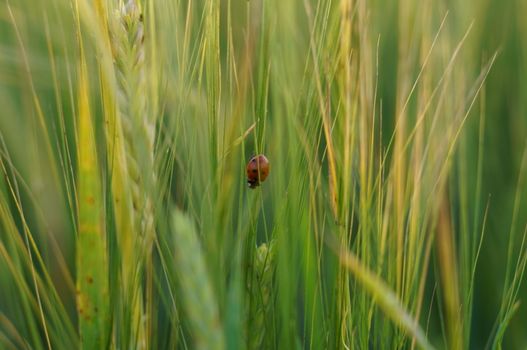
(394, 215)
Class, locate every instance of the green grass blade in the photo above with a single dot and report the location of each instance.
(91, 255)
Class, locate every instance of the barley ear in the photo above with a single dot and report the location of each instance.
(138, 132)
(199, 302)
(260, 289)
(138, 123)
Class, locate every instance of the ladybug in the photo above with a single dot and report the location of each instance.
(256, 163)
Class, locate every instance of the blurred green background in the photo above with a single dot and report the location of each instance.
(498, 26)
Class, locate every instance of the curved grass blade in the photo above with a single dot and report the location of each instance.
(383, 296)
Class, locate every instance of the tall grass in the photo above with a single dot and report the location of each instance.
(126, 220)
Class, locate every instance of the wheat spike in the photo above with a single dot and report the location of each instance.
(138, 123)
(138, 131)
(198, 297)
(260, 288)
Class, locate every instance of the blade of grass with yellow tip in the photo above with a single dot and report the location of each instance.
(92, 267)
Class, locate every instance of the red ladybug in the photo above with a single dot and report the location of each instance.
(256, 163)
